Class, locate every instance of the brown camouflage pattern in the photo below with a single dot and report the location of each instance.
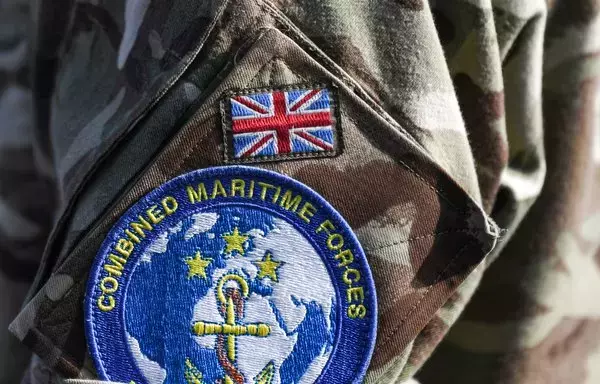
(456, 115)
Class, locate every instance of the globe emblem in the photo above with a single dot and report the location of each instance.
(244, 297)
(231, 275)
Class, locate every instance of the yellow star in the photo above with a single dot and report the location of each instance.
(268, 267)
(235, 241)
(197, 266)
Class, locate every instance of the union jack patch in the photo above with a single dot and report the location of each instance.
(277, 124)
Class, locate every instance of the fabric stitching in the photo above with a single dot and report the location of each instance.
(424, 295)
(271, 70)
(435, 234)
(438, 191)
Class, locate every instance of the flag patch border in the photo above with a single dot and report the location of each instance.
(227, 124)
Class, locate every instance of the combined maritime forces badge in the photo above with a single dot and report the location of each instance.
(231, 275)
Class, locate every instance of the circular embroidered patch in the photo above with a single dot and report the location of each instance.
(231, 275)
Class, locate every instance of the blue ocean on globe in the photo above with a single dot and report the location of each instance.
(174, 285)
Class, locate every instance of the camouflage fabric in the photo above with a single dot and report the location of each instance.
(27, 187)
(459, 118)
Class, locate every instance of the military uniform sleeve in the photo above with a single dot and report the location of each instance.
(137, 100)
(441, 121)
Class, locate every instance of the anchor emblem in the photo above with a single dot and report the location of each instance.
(232, 290)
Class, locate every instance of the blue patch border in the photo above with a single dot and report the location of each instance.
(355, 338)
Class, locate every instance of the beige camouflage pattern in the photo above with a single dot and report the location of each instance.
(535, 318)
(455, 114)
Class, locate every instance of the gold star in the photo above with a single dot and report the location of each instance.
(268, 267)
(197, 266)
(235, 241)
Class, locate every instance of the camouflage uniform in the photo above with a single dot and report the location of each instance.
(459, 117)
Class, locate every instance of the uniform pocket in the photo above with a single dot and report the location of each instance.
(422, 233)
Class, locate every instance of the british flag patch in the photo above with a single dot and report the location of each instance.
(277, 124)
